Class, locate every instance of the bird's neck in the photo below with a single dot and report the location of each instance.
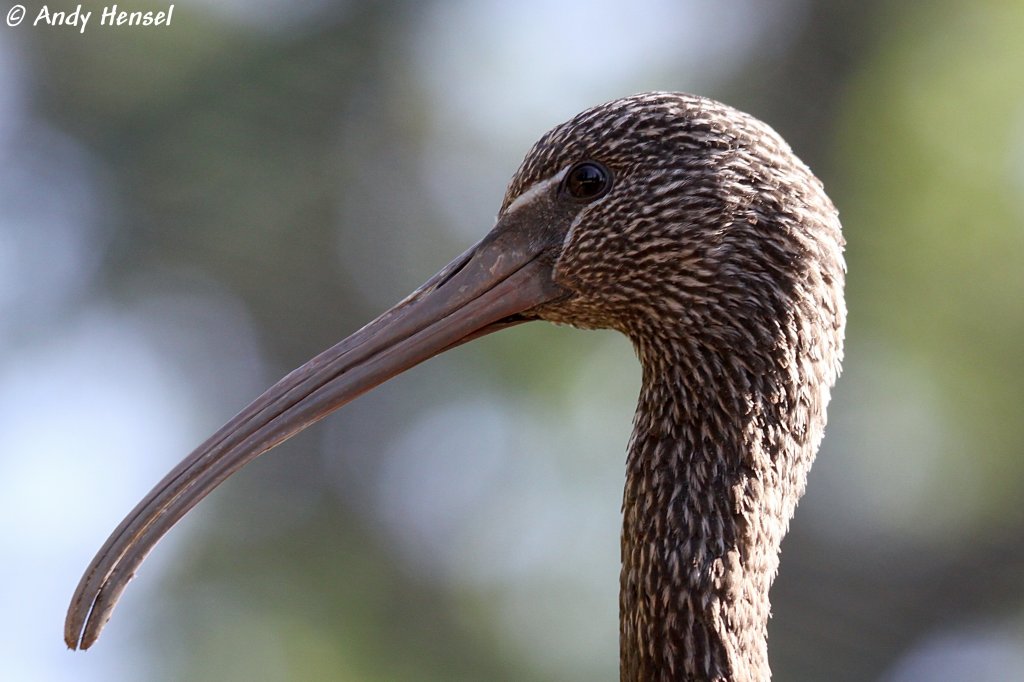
(713, 476)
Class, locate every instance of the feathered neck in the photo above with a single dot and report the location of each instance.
(717, 462)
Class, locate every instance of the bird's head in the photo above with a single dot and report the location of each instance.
(672, 216)
(664, 216)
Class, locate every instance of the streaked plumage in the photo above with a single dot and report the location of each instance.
(720, 256)
(717, 252)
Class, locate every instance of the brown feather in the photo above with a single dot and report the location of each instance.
(720, 256)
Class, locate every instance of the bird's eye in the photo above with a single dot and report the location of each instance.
(588, 181)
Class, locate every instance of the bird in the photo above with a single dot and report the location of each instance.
(693, 229)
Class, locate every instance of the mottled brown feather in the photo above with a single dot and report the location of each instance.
(720, 256)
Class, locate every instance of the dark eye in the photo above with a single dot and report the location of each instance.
(588, 180)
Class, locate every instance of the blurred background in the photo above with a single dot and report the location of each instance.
(187, 213)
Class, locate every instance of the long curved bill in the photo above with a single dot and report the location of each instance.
(492, 286)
